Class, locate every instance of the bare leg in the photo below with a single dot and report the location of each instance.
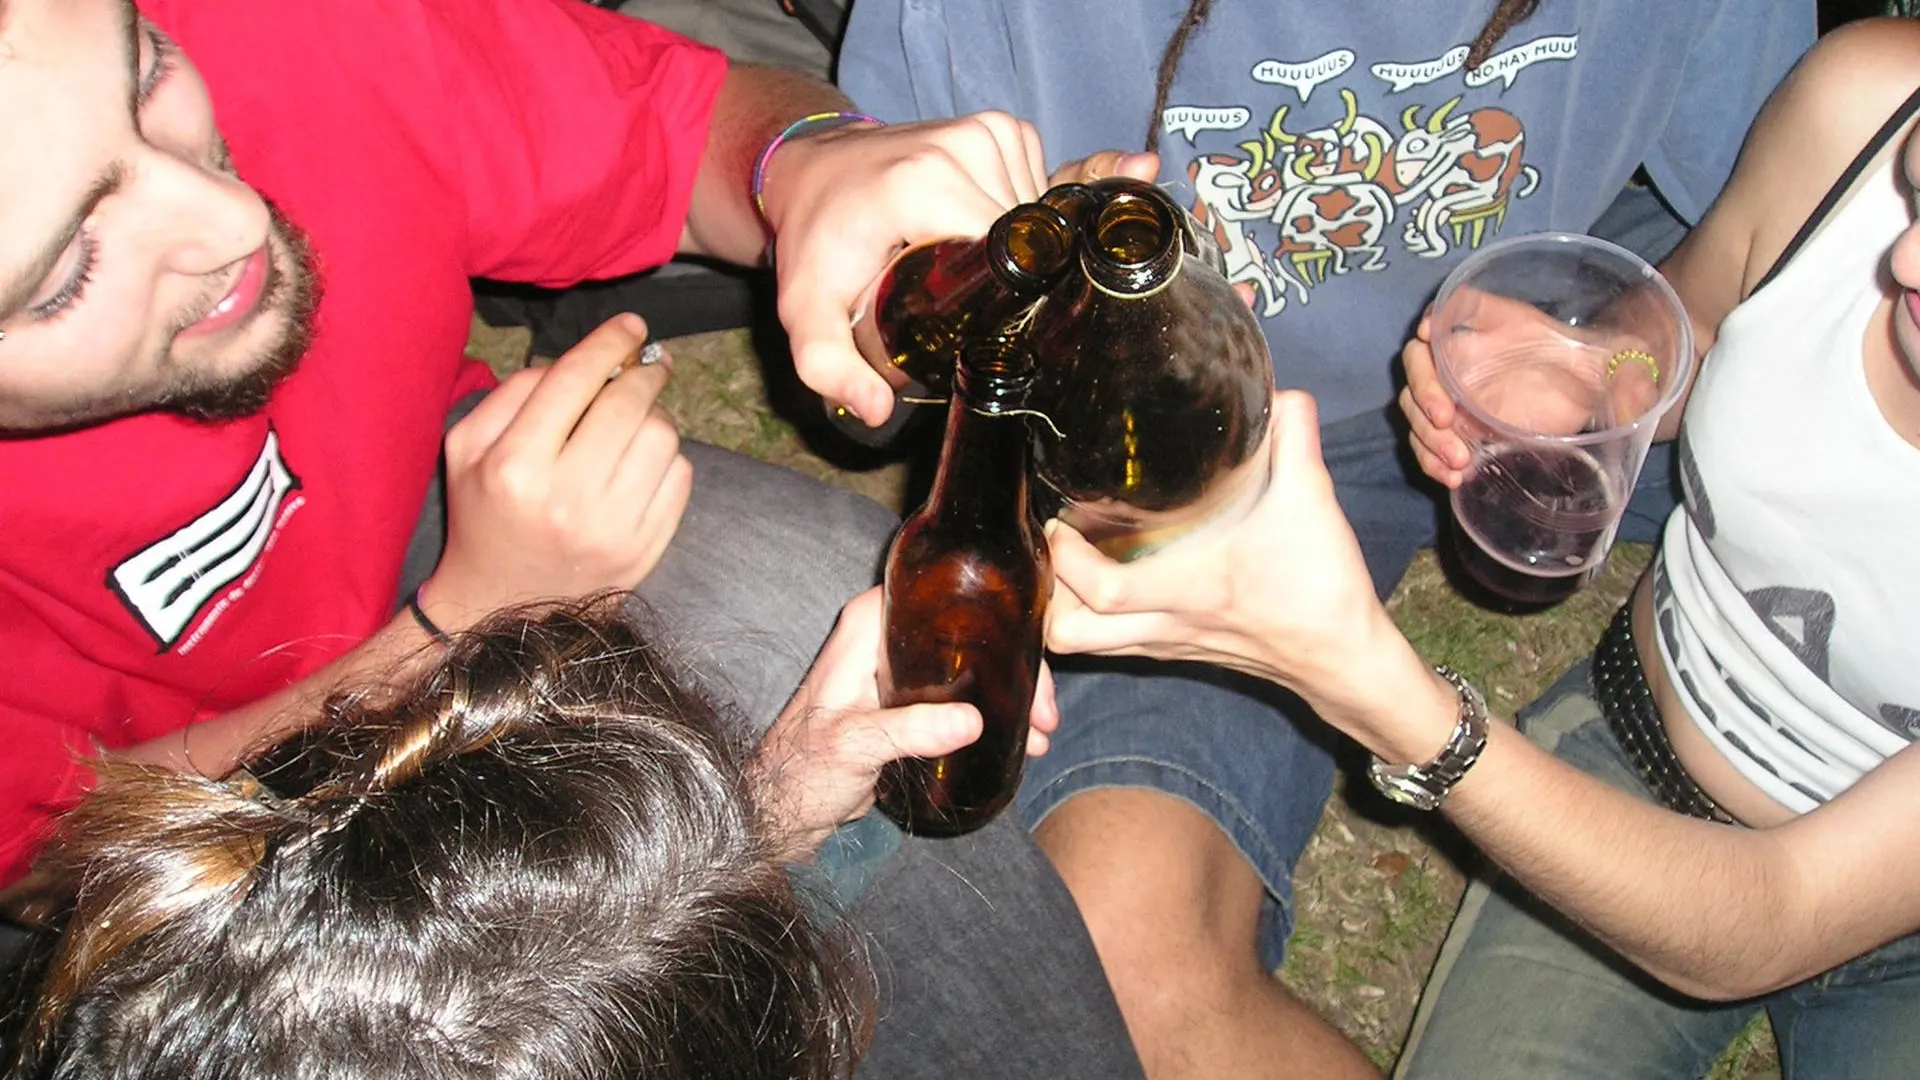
(1174, 913)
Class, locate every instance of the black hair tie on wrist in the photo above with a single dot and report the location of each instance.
(420, 616)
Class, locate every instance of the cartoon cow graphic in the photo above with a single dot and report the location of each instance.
(1319, 187)
(1220, 186)
(1352, 147)
(1462, 171)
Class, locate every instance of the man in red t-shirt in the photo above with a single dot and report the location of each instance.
(233, 294)
(216, 463)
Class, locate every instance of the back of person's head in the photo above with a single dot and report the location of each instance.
(541, 859)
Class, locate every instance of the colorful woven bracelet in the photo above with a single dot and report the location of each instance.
(806, 125)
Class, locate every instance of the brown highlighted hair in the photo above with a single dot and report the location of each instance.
(1506, 15)
(540, 859)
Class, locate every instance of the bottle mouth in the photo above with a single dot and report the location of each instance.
(1035, 243)
(1132, 242)
(995, 373)
(1074, 201)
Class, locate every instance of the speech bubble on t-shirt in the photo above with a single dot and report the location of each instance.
(1506, 66)
(1306, 75)
(1407, 76)
(1189, 120)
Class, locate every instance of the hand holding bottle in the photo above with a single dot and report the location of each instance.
(1282, 594)
(967, 581)
(843, 202)
(820, 759)
(934, 298)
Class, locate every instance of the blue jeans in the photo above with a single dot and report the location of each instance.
(1219, 741)
(1518, 992)
(983, 965)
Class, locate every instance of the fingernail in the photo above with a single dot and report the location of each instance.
(1134, 160)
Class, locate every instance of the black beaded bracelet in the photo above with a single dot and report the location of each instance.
(420, 616)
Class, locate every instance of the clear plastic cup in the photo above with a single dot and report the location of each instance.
(1562, 353)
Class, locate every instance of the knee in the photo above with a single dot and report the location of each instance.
(1171, 904)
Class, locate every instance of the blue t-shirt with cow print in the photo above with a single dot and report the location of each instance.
(1342, 153)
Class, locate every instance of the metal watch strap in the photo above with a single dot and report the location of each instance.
(1424, 786)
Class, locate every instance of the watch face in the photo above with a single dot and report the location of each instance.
(1398, 784)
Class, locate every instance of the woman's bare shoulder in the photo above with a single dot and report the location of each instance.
(1840, 94)
(1831, 106)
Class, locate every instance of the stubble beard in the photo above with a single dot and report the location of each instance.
(294, 296)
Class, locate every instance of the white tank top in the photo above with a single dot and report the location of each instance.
(1787, 588)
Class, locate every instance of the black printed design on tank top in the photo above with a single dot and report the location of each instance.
(1699, 506)
(1902, 720)
(1803, 621)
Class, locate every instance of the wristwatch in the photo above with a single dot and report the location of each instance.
(1424, 786)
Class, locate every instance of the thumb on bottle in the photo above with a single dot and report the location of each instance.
(927, 730)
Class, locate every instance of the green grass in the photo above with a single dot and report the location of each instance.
(1752, 1055)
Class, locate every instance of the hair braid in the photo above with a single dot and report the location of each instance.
(1197, 11)
(150, 848)
(540, 856)
(1507, 14)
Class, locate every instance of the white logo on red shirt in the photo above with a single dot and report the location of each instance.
(165, 584)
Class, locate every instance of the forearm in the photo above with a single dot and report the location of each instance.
(1709, 910)
(756, 103)
(213, 747)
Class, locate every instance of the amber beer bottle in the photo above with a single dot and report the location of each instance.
(967, 581)
(934, 296)
(1154, 377)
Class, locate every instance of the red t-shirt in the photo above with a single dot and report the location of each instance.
(157, 571)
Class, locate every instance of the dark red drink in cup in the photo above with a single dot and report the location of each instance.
(1546, 510)
(1562, 353)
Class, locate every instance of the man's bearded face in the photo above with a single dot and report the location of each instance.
(137, 271)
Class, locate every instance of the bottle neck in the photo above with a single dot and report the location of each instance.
(1025, 254)
(1029, 247)
(986, 457)
(933, 298)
